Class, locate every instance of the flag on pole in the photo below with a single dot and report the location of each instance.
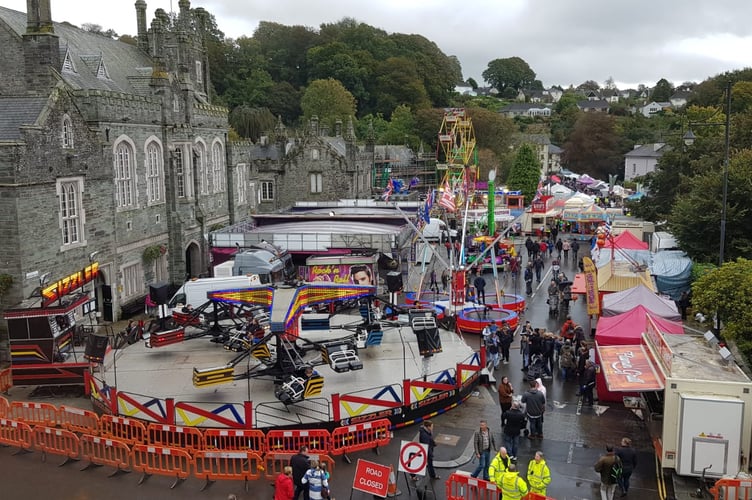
(389, 190)
(427, 207)
(447, 199)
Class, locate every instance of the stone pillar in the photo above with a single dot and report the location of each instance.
(143, 36)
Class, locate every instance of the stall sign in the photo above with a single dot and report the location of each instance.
(68, 284)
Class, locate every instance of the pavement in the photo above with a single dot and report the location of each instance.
(575, 437)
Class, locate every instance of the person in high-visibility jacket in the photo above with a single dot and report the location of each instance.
(499, 466)
(538, 474)
(513, 487)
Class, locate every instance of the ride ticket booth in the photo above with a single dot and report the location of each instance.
(42, 333)
(696, 400)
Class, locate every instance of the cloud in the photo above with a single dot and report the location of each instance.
(564, 41)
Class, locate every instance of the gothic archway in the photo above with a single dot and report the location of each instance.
(193, 267)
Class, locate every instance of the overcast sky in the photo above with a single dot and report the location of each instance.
(564, 41)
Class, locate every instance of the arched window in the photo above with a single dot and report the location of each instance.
(67, 131)
(124, 182)
(316, 182)
(154, 173)
(204, 177)
(218, 163)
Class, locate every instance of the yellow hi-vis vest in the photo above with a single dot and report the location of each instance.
(513, 487)
(497, 468)
(538, 476)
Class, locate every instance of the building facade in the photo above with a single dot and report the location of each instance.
(109, 152)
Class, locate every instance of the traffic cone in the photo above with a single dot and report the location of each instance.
(391, 489)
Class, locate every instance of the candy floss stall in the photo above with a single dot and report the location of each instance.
(696, 399)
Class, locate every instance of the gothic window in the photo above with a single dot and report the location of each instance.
(267, 191)
(124, 181)
(202, 171)
(199, 73)
(179, 167)
(67, 132)
(314, 154)
(218, 164)
(70, 211)
(154, 173)
(240, 182)
(316, 183)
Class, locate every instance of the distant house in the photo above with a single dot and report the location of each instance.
(610, 95)
(593, 95)
(487, 91)
(599, 106)
(548, 154)
(654, 107)
(643, 159)
(525, 109)
(554, 93)
(627, 93)
(680, 98)
(464, 88)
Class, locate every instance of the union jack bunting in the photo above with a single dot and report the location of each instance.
(447, 199)
(388, 191)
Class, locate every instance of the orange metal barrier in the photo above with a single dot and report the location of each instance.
(317, 441)
(77, 420)
(358, 437)
(44, 414)
(14, 433)
(128, 430)
(189, 438)
(162, 461)
(57, 442)
(465, 487)
(6, 380)
(103, 451)
(276, 462)
(4, 407)
(732, 489)
(536, 496)
(227, 465)
(231, 440)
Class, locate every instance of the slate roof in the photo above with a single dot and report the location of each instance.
(521, 107)
(18, 111)
(553, 149)
(600, 104)
(88, 50)
(648, 151)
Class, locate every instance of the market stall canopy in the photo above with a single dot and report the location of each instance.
(555, 178)
(673, 272)
(559, 189)
(618, 276)
(627, 328)
(628, 368)
(586, 179)
(593, 213)
(615, 304)
(627, 241)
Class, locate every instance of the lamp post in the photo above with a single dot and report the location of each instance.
(689, 139)
(491, 202)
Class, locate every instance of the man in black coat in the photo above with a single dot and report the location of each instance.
(300, 463)
(512, 422)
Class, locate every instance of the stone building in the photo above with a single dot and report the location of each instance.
(110, 152)
(308, 165)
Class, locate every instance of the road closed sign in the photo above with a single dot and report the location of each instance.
(371, 478)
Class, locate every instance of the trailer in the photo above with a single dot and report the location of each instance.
(696, 400)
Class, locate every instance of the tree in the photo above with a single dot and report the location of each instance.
(251, 123)
(492, 130)
(593, 147)
(695, 218)
(399, 83)
(662, 91)
(97, 29)
(727, 291)
(589, 85)
(401, 128)
(328, 100)
(609, 83)
(285, 49)
(336, 60)
(525, 173)
(473, 84)
(512, 72)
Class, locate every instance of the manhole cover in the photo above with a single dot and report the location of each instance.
(447, 439)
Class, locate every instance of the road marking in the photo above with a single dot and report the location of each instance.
(570, 453)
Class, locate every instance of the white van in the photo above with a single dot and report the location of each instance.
(194, 292)
(434, 229)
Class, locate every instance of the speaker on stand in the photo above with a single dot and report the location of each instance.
(96, 348)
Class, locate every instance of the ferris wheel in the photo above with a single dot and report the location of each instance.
(457, 152)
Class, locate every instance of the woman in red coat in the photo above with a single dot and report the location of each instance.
(283, 487)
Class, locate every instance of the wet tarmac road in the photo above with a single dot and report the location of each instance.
(575, 437)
